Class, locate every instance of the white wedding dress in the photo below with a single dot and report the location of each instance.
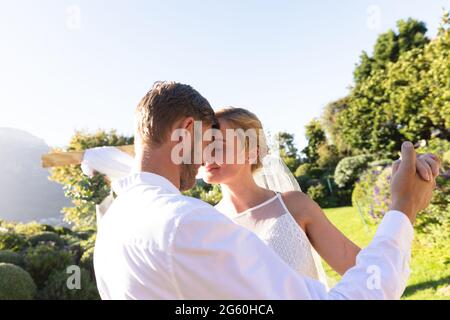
(272, 222)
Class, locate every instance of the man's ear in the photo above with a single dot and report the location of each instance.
(187, 123)
(184, 124)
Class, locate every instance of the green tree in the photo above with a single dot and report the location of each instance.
(85, 192)
(333, 128)
(405, 95)
(288, 151)
(389, 46)
(315, 135)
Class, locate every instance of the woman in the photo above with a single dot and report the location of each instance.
(290, 223)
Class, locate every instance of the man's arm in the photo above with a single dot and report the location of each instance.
(213, 258)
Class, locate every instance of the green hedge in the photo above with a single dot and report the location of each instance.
(349, 170)
(8, 256)
(15, 283)
(56, 288)
(42, 260)
(45, 237)
(13, 241)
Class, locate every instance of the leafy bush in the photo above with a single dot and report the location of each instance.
(45, 237)
(45, 253)
(56, 288)
(84, 235)
(87, 260)
(28, 229)
(381, 163)
(328, 156)
(7, 256)
(13, 241)
(317, 193)
(303, 169)
(85, 192)
(370, 194)
(41, 260)
(349, 169)
(63, 231)
(435, 220)
(15, 283)
(205, 192)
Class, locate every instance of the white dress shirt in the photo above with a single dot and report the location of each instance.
(155, 243)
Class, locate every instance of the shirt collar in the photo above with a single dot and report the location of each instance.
(148, 178)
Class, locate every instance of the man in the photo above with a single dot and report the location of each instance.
(155, 243)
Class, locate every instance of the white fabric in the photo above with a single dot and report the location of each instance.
(275, 175)
(272, 222)
(155, 243)
(110, 161)
(113, 163)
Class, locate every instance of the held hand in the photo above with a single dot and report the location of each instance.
(410, 193)
(427, 166)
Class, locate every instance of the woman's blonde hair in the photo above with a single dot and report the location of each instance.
(241, 118)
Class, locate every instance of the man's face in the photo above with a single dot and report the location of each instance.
(189, 171)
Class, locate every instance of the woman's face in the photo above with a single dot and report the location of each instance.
(227, 172)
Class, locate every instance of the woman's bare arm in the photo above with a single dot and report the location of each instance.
(331, 244)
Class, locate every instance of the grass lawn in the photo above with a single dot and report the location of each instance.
(430, 265)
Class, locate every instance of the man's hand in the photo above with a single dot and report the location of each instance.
(427, 166)
(410, 193)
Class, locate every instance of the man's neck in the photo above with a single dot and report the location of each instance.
(158, 161)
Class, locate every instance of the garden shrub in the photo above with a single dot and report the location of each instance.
(84, 235)
(13, 241)
(29, 229)
(45, 237)
(435, 220)
(63, 231)
(56, 288)
(205, 192)
(87, 257)
(41, 260)
(303, 169)
(372, 194)
(369, 194)
(15, 283)
(87, 260)
(8, 256)
(381, 163)
(317, 193)
(349, 170)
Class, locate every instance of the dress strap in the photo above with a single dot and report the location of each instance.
(280, 198)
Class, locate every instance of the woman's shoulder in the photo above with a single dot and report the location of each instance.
(300, 205)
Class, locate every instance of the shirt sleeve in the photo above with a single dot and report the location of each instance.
(211, 257)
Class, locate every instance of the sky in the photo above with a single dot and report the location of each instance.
(84, 65)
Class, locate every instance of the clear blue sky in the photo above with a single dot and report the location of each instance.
(284, 60)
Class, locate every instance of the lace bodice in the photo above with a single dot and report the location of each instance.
(272, 222)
